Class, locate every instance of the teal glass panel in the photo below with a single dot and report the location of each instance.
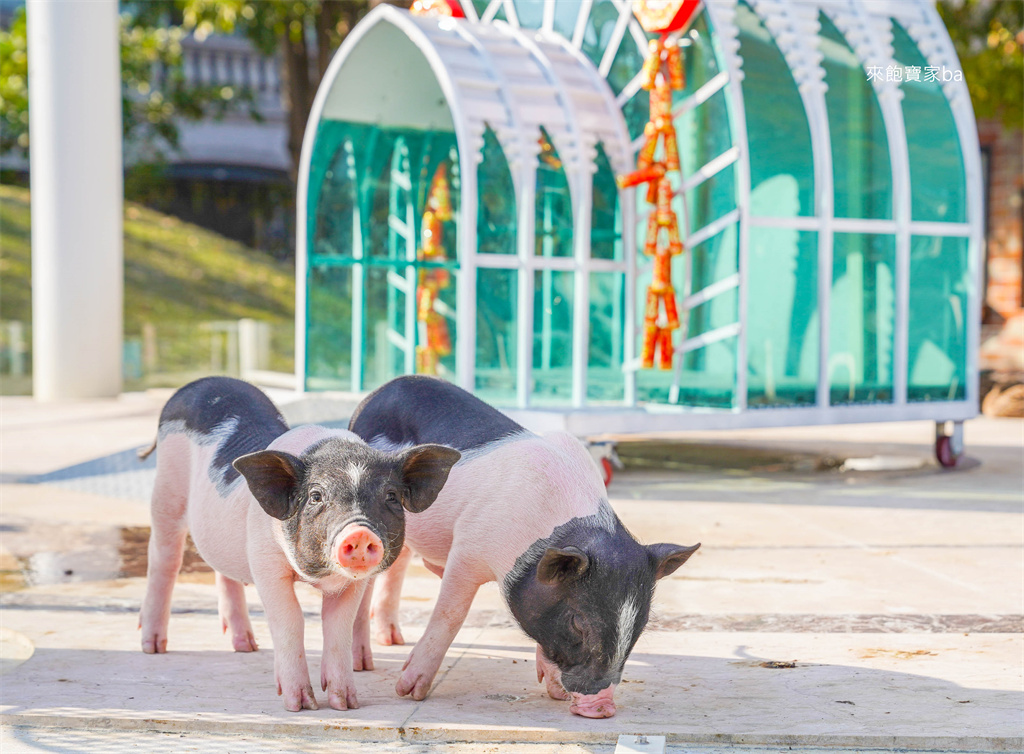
(497, 328)
(403, 239)
(861, 318)
(708, 376)
(331, 196)
(705, 376)
(368, 191)
(711, 261)
(389, 326)
(940, 283)
(329, 328)
(605, 378)
(375, 172)
(712, 199)
(938, 184)
(605, 216)
(626, 64)
(530, 13)
(552, 337)
(481, 6)
(496, 200)
(860, 148)
(781, 156)
(604, 14)
(703, 134)
(553, 213)
(782, 317)
(637, 113)
(565, 19)
(700, 58)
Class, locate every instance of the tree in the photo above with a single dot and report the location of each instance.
(154, 92)
(303, 33)
(989, 39)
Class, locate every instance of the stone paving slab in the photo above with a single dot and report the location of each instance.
(909, 691)
(898, 595)
(65, 741)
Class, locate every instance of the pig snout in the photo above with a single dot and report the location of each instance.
(357, 548)
(596, 705)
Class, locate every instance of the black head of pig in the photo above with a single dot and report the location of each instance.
(584, 595)
(338, 485)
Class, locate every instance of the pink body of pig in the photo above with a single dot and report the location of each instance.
(532, 513)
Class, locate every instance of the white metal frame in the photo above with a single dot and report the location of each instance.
(794, 28)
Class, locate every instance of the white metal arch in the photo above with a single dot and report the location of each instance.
(514, 81)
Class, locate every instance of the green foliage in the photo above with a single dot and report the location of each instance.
(149, 108)
(989, 39)
(14, 86)
(265, 23)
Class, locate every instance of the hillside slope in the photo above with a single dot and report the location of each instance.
(175, 273)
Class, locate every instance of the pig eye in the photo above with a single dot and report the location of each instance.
(577, 625)
(392, 498)
(315, 496)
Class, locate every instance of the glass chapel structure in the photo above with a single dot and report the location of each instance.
(830, 203)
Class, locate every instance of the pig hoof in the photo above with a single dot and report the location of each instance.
(245, 643)
(344, 699)
(362, 658)
(154, 645)
(300, 699)
(389, 635)
(415, 686)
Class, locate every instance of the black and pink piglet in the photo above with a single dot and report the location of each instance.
(270, 506)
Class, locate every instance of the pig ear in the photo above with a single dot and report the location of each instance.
(668, 558)
(559, 565)
(424, 471)
(272, 476)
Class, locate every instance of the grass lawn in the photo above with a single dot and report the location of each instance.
(176, 276)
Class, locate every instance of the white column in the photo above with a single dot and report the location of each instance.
(77, 198)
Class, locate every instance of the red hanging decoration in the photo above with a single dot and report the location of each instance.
(449, 8)
(437, 341)
(665, 15)
(662, 73)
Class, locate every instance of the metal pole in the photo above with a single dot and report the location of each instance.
(77, 199)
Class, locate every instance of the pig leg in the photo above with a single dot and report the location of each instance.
(166, 548)
(386, 599)
(284, 616)
(362, 654)
(458, 587)
(338, 615)
(234, 613)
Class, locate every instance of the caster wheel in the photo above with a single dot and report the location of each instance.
(606, 467)
(944, 452)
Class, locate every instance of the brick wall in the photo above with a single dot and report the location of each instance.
(1005, 227)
